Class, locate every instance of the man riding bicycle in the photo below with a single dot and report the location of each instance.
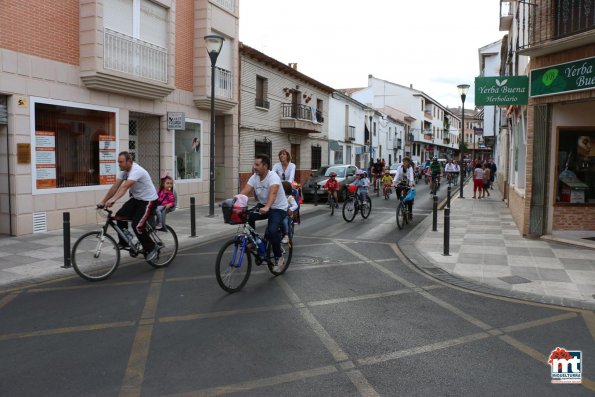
(266, 186)
(141, 205)
(436, 172)
(404, 180)
(377, 169)
(450, 170)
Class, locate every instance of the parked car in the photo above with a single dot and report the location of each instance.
(318, 178)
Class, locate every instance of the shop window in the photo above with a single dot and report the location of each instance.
(73, 147)
(576, 167)
(188, 152)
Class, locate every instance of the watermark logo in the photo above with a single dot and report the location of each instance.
(566, 365)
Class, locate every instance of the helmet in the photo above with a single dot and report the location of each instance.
(360, 172)
(387, 171)
(434, 158)
(333, 174)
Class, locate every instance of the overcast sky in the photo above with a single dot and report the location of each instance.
(432, 44)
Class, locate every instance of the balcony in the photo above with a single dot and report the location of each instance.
(505, 15)
(300, 118)
(262, 103)
(223, 92)
(428, 114)
(130, 66)
(229, 5)
(551, 26)
(350, 133)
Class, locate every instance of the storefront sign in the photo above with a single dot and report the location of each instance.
(565, 77)
(45, 159)
(501, 90)
(478, 131)
(107, 160)
(176, 121)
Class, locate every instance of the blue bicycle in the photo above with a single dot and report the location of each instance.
(234, 261)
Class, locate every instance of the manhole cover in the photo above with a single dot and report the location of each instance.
(514, 280)
(305, 260)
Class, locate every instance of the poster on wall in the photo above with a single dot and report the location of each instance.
(576, 167)
(45, 159)
(107, 160)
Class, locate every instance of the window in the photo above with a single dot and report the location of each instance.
(73, 146)
(262, 86)
(263, 147)
(140, 19)
(316, 157)
(339, 156)
(576, 167)
(319, 110)
(188, 152)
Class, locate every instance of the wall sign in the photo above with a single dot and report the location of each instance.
(107, 160)
(176, 121)
(565, 77)
(501, 90)
(45, 159)
(23, 153)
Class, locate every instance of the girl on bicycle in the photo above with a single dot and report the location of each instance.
(165, 201)
(332, 186)
(293, 206)
(387, 180)
(362, 183)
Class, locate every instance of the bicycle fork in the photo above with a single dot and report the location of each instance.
(238, 253)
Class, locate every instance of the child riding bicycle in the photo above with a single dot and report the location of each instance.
(387, 180)
(332, 186)
(362, 183)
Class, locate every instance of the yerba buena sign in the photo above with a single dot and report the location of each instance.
(565, 77)
(501, 90)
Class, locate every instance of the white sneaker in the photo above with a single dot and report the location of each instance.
(285, 239)
(280, 265)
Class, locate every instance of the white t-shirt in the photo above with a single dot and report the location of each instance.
(261, 189)
(143, 188)
(289, 171)
(402, 175)
(450, 167)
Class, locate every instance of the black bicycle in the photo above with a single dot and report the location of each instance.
(332, 203)
(353, 205)
(403, 214)
(96, 255)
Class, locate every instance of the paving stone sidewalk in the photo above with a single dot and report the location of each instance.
(488, 253)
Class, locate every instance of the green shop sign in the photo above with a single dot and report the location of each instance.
(565, 77)
(501, 90)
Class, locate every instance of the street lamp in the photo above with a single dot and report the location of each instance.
(370, 114)
(213, 44)
(463, 88)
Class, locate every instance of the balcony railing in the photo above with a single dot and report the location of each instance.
(303, 112)
(126, 54)
(223, 83)
(227, 4)
(549, 20)
(262, 103)
(350, 133)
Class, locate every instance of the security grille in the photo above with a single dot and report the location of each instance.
(144, 142)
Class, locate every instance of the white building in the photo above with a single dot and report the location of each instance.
(347, 128)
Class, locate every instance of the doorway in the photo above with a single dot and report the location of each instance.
(144, 143)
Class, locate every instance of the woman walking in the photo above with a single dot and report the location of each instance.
(486, 180)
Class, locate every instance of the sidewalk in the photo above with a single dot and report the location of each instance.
(39, 257)
(488, 254)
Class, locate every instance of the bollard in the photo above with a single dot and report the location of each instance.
(316, 194)
(447, 231)
(448, 197)
(66, 228)
(435, 214)
(192, 217)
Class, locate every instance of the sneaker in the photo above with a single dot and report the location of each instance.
(158, 226)
(285, 239)
(123, 246)
(153, 254)
(280, 265)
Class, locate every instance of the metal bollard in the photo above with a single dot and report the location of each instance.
(447, 231)
(435, 214)
(66, 228)
(316, 194)
(448, 197)
(192, 217)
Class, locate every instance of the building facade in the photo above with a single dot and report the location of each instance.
(95, 77)
(347, 128)
(559, 181)
(281, 109)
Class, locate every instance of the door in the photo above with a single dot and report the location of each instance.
(144, 143)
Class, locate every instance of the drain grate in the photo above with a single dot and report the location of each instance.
(514, 280)
(436, 270)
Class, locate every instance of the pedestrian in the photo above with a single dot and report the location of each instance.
(477, 180)
(493, 170)
(486, 180)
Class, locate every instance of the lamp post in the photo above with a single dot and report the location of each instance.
(370, 114)
(214, 44)
(463, 88)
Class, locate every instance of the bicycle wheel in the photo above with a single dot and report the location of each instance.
(349, 209)
(386, 194)
(287, 254)
(93, 259)
(366, 208)
(167, 240)
(377, 187)
(233, 266)
(401, 215)
(331, 203)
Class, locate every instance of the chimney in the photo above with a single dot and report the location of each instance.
(411, 86)
(293, 65)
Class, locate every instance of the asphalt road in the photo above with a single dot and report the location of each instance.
(351, 317)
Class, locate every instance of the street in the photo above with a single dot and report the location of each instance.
(351, 317)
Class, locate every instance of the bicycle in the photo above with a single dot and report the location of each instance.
(434, 184)
(387, 191)
(96, 255)
(377, 186)
(234, 260)
(332, 202)
(403, 213)
(353, 204)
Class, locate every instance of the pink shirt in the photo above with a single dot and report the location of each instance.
(166, 197)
